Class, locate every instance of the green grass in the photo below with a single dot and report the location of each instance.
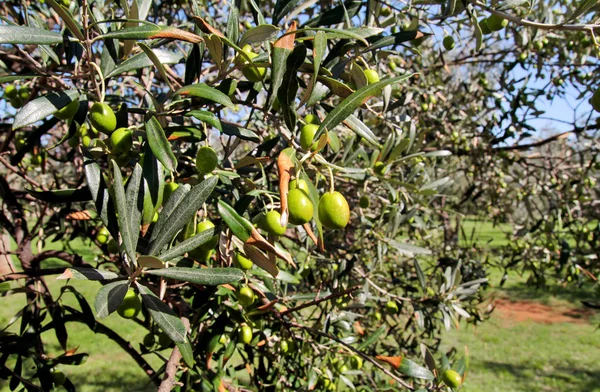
(484, 233)
(108, 368)
(504, 356)
(507, 356)
(529, 356)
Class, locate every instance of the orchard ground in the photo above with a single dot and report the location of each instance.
(536, 340)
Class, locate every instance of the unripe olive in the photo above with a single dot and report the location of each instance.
(206, 160)
(24, 93)
(102, 118)
(253, 74)
(245, 334)
(68, 111)
(11, 92)
(451, 378)
(272, 224)
(595, 101)
(483, 25)
(58, 377)
(372, 76)
(245, 296)
(300, 184)
(364, 202)
(214, 240)
(307, 136)
(242, 261)
(121, 140)
(391, 307)
(170, 187)
(300, 207)
(112, 246)
(103, 235)
(312, 119)
(448, 42)
(496, 23)
(131, 305)
(334, 212)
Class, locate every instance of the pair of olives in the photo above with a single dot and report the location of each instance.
(17, 96)
(333, 210)
(252, 73)
(492, 23)
(103, 118)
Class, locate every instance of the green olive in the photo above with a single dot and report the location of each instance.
(131, 305)
(103, 118)
(242, 261)
(103, 235)
(272, 224)
(391, 307)
(496, 23)
(451, 378)
(170, 187)
(58, 377)
(11, 92)
(312, 119)
(16, 102)
(121, 140)
(149, 340)
(252, 73)
(300, 184)
(595, 101)
(356, 362)
(334, 212)
(380, 168)
(112, 246)
(372, 76)
(448, 42)
(206, 160)
(24, 93)
(483, 25)
(213, 241)
(364, 202)
(68, 111)
(164, 340)
(245, 296)
(300, 207)
(245, 334)
(307, 136)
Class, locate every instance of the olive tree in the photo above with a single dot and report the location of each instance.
(276, 189)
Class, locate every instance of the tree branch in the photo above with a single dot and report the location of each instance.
(31, 274)
(169, 382)
(360, 353)
(536, 25)
(77, 316)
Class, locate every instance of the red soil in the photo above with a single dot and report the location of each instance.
(520, 311)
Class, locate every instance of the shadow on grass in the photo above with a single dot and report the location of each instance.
(549, 377)
(103, 383)
(573, 294)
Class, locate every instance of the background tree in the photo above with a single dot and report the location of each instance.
(278, 188)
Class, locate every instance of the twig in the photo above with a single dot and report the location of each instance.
(382, 291)
(360, 353)
(31, 274)
(318, 301)
(20, 174)
(125, 345)
(169, 382)
(536, 25)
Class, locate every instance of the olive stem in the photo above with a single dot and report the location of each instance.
(331, 180)
(101, 84)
